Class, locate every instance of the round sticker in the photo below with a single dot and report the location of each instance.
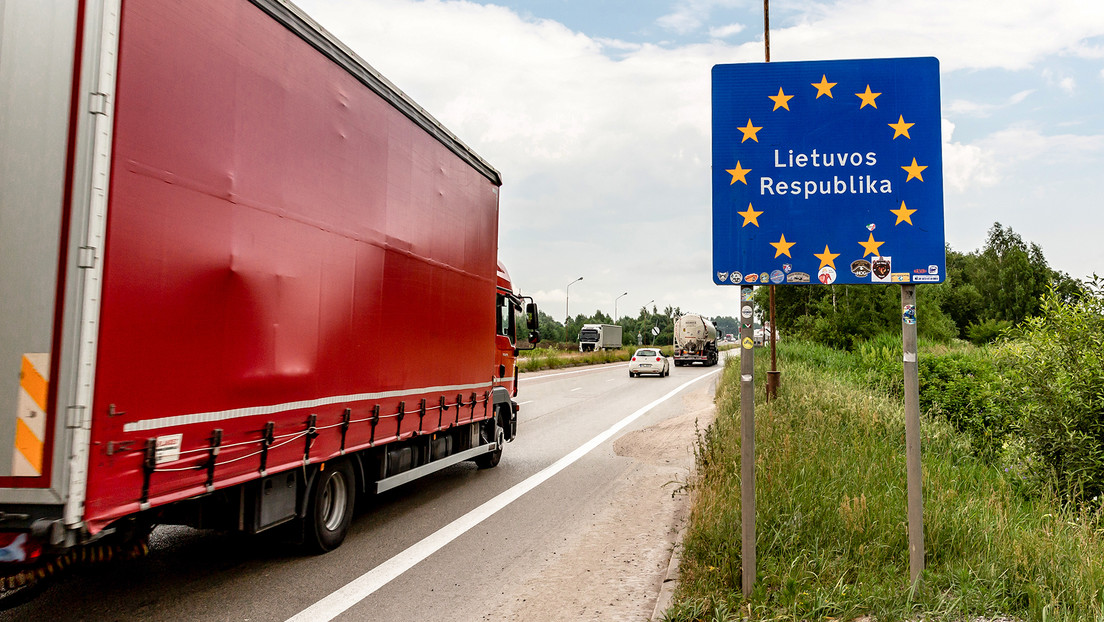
(827, 275)
(746, 312)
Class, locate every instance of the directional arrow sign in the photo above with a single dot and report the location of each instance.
(827, 172)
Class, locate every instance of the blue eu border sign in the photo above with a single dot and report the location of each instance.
(827, 172)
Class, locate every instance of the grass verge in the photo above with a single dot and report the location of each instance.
(831, 516)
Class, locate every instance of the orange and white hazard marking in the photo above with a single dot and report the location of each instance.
(30, 424)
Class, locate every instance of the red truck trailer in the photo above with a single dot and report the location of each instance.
(243, 279)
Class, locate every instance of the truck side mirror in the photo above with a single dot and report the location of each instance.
(531, 317)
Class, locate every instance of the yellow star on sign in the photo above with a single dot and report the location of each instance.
(750, 216)
(738, 173)
(827, 258)
(782, 247)
(868, 98)
(870, 246)
(903, 215)
(781, 100)
(900, 128)
(914, 171)
(749, 132)
(824, 87)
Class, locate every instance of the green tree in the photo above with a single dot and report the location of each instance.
(726, 325)
(1011, 276)
(961, 301)
(551, 331)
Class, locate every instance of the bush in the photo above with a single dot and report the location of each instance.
(987, 331)
(963, 388)
(1055, 379)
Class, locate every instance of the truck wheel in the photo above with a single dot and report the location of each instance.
(490, 460)
(330, 508)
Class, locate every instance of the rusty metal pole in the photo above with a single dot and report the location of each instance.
(773, 375)
(766, 28)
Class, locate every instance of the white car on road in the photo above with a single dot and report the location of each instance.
(649, 361)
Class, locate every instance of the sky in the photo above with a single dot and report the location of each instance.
(597, 113)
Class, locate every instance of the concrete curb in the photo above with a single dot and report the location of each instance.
(670, 581)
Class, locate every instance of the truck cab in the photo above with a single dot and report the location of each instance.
(599, 337)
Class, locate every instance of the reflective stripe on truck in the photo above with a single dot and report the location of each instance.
(30, 423)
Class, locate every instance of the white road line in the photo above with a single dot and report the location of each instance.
(577, 389)
(368, 583)
(525, 402)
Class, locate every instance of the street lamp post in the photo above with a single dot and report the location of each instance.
(615, 306)
(567, 300)
(651, 337)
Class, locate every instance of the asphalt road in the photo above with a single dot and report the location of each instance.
(442, 548)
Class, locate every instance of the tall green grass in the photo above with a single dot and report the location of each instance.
(831, 515)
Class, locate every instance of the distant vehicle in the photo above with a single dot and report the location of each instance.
(649, 361)
(761, 335)
(695, 340)
(599, 337)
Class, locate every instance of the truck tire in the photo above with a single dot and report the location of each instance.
(330, 506)
(491, 459)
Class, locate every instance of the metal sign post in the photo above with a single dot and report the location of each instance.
(912, 434)
(747, 439)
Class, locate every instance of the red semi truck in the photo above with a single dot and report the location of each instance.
(243, 279)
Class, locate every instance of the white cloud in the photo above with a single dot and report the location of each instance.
(1060, 80)
(963, 107)
(991, 160)
(1026, 143)
(690, 15)
(1010, 34)
(966, 166)
(723, 32)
